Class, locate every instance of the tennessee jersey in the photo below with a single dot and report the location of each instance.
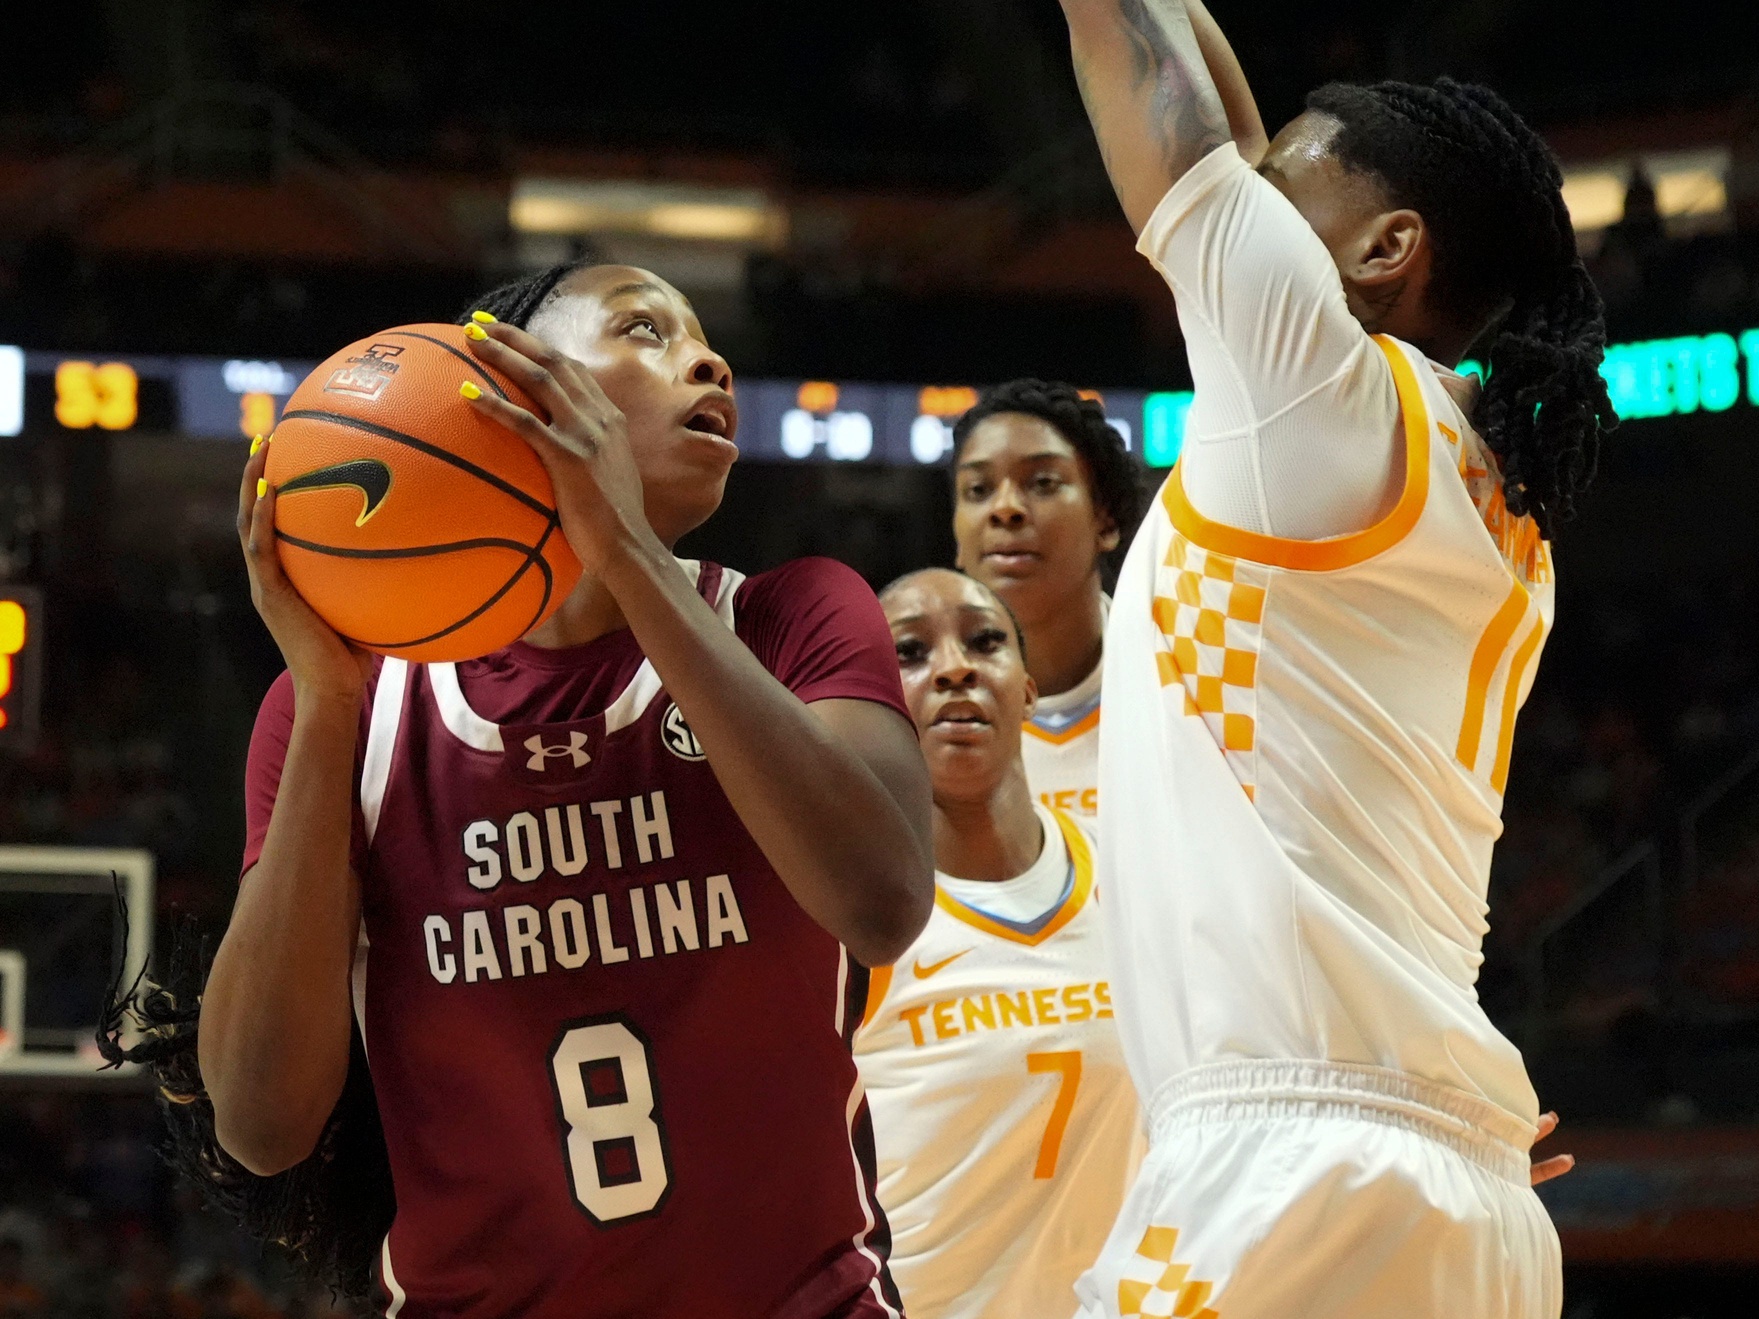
(1060, 746)
(1302, 803)
(1005, 1124)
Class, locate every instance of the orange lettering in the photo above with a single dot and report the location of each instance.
(1016, 1006)
(945, 1028)
(1045, 1000)
(1075, 1000)
(1102, 994)
(978, 1010)
(913, 1016)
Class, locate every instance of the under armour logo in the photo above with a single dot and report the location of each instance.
(575, 750)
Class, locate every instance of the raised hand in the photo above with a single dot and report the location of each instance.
(583, 441)
(320, 662)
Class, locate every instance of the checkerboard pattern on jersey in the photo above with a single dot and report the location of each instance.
(1156, 1286)
(1210, 609)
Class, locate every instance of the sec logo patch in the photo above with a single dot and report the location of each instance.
(676, 734)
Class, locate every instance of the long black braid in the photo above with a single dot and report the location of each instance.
(1491, 194)
(332, 1210)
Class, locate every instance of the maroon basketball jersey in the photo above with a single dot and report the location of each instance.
(610, 1050)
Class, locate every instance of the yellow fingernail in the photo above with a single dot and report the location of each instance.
(482, 318)
(475, 331)
(255, 445)
(262, 487)
(469, 390)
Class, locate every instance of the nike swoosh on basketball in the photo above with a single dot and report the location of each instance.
(367, 475)
(922, 972)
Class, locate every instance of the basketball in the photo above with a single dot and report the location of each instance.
(413, 525)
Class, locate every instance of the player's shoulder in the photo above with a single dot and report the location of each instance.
(809, 593)
(799, 583)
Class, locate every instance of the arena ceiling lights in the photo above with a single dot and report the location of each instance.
(680, 211)
(1691, 190)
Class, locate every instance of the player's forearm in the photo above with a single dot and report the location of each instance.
(1149, 95)
(1244, 121)
(274, 1033)
(853, 850)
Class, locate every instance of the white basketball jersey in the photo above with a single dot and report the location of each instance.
(1304, 767)
(1060, 745)
(1005, 1124)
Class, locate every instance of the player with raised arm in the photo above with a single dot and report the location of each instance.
(1317, 649)
(1044, 492)
(611, 956)
(1005, 1124)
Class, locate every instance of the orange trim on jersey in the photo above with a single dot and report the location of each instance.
(1086, 724)
(878, 982)
(1339, 551)
(1080, 856)
(1491, 647)
(1510, 701)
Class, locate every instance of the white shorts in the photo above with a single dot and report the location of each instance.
(1299, 1190)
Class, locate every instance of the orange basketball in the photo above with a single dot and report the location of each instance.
(413, 525)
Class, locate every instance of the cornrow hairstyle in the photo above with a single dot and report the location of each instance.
(1491, 194)
(1114, 477)
(517, 301)
(1003, 605)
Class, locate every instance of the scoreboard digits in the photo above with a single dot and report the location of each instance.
(21, 646)
(89, 394)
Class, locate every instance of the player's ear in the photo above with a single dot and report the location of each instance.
(1031, 698)
(1391, 246)
(1107, 539)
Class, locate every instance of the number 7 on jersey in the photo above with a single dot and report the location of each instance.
(1067, 1064)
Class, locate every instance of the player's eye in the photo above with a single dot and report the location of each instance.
(643, 327)
(989, 641)
(974, 491)
(910, 651)
(1047, 483)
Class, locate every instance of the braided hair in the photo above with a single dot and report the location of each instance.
(517, 301)
(1113, 477)
(1490, 192)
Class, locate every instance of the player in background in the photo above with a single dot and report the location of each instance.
(1006, 1126)
(1044, 494)
(611, 954)
(1317, 649)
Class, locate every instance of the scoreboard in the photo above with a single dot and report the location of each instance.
(21, 666)
(781, 421)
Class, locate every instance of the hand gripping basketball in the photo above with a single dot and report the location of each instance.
(584, 445)
(321, 663)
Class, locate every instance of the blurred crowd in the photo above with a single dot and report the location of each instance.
(92, 1228)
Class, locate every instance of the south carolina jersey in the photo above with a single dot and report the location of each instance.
(1060, 747)
(1005, 1123)
(1302, 800)
(610, 1050)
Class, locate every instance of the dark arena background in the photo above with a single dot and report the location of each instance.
(877, 209)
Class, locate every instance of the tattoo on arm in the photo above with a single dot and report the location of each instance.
(1185, 113)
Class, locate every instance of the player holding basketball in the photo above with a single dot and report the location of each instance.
(1317, 649)
(1005, 1123)
(612, 953)
(1044, 492)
